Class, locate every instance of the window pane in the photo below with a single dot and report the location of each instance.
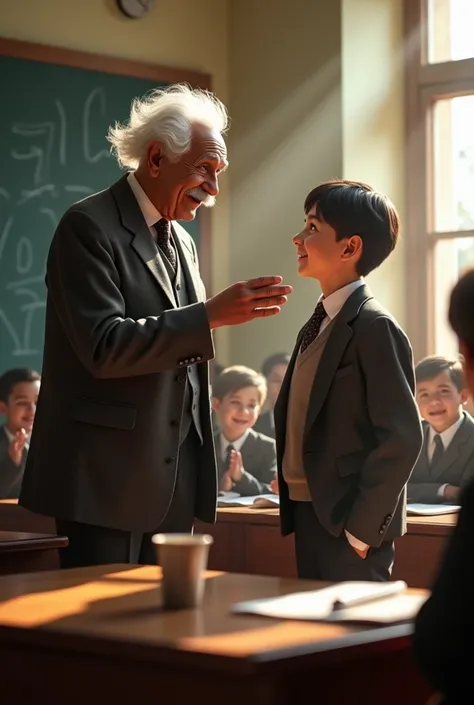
(450, 24)
(453, 161)
(451, 258)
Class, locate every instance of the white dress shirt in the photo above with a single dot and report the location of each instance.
(150, 213)
(446, 438)
(335, 301)
(332, 305)
(11, 437)
(237, 445)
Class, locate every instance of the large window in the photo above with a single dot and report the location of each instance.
(440, 163)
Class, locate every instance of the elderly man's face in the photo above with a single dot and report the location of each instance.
(178, 188)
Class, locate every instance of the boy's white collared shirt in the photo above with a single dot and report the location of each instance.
(237, 445)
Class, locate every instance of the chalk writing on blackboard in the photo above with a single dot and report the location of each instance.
(39, 147)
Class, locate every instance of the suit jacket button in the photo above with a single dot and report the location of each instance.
(168, 461)
(198, 358)
(186, 362)
(381, 531)
(192, 359)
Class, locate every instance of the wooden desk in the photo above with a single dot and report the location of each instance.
(97, 635)
(16, 518)
(249, 541)
(27, 553)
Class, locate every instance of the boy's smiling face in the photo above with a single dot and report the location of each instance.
(321, 256)
(439, 401)
(20, 408)
(238, 411)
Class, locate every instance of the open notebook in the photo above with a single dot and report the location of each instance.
(378, 603)
(430, 510)
(261, 501)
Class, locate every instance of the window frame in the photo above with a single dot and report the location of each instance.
(425, 83)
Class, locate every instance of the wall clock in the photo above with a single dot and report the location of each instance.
(135, 8)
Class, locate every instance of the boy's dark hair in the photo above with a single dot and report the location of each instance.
(237, 377)
(354, 208)
(15, 376)
(270, 362)
(461, 310)
(432, 366)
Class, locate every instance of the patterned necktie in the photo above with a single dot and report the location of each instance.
(438, 451)
(313, 326)
(228, 452)
(163, 240)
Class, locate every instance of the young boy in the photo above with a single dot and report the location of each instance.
(347, 427)
(19, 390)
(246, 460)
(446, 462)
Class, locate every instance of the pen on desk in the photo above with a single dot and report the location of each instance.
(388, 590)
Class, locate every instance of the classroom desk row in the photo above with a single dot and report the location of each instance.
(249, 541)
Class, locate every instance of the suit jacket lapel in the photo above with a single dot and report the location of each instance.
(190, 271)
(132, 219)
(335, 346)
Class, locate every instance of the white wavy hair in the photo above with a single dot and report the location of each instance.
(167, 115)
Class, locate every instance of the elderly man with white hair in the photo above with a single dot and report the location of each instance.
(122, 444)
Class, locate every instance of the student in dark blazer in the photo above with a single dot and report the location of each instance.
(443, 631)
(446, 462)
(19, 389)
(274, 370)
(122, 445)
(246, 460)
(348, 431)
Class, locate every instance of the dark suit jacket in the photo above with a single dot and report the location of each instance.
(443, 629)
(11, 474)
(104, 447)
(455, 468)
(265, 424)
(362, 434)
(259, 461)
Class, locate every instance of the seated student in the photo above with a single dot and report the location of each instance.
(19, 390)
(273, 369)
(246, 460)
(446, 461)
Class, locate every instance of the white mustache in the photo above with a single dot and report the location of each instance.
(203, 197)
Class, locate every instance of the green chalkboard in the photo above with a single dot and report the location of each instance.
(53, 120)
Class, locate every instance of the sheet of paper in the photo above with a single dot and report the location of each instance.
(317, 605)
(432, 509)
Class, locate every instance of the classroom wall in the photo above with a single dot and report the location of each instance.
(316, 93)
(97, 26)
(285, 78)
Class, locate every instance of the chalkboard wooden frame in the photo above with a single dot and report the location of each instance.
(123, 67)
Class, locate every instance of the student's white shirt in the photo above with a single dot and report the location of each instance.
(446, 438)
(11, 436)
(237, 445)
(335, 301)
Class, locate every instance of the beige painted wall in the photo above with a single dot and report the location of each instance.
(177, 33)
(373, 120)
(285, 78)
